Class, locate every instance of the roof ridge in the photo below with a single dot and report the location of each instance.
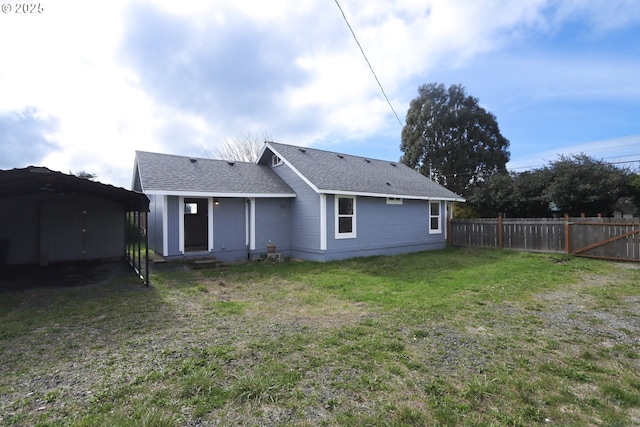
(336, 152)
(192, 157)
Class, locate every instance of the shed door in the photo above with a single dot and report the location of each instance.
(62, 232)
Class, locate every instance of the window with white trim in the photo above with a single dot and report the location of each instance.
(190, 208)
(275, 160)
(434, 218)
(345, 217)
(394, 200)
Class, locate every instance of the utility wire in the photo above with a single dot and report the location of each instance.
(368, 63)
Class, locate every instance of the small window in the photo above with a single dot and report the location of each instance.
(434, 217)
(191, 208)
(345, 217)
(394, 200)
(275, 160)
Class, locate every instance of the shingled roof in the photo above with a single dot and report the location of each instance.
(41, 180)
(170, 174)
(331, 172)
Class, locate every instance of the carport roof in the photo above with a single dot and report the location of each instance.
(38, 179)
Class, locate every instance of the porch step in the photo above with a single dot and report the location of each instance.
(209, 262)
(206, 261)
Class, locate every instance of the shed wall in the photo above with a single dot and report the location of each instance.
(57, 228)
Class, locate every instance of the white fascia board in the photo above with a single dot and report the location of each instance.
(400, 196)
(296, 171)
(207, 194)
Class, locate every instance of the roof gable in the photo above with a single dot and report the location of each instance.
(330, 172)
(170, 174)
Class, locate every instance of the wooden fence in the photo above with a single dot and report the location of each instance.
(605, 238)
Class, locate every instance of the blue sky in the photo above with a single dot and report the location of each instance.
(85, 84)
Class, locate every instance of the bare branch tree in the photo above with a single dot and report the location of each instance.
(244, 148)
(85, 175)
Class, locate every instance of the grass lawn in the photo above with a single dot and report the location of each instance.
(452, 337)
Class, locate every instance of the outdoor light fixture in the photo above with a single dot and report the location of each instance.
(216, 202)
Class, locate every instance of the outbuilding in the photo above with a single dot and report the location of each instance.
(52, 217)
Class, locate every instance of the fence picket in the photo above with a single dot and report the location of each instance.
(607, 238)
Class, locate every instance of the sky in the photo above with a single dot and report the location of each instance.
(83, 85)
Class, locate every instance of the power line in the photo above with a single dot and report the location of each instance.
(450, 175)
(368, 63)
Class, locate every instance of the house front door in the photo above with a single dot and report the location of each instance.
(196, 225)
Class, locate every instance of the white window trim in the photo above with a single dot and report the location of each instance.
(394, 200)
(439, 216)
(353, 234)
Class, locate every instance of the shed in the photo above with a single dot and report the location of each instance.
(49, 217)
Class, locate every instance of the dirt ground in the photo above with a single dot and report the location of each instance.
(63, 275)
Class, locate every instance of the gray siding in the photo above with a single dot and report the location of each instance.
(383, 229)
(229, 230)
(173, 226)
(273, 224)
(305, 216)
(137, 185)
(155, 224)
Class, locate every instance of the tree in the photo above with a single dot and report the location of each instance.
(494, 196)
(581, 184)
(530, 198)
(634, 189)
(85, 175)
(244, 148)
(451, 139)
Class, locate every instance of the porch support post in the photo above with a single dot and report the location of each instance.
(252, 223)
(181, 224)
(210, 224)
(323, 222)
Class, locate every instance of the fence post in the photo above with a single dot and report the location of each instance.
(500, 237)
(567, 235)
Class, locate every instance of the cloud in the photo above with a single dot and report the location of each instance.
(622, 149)
(26, 139)
(177, 77)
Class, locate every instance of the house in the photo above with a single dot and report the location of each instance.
(313, 204)
(49, 217)
(625, 208)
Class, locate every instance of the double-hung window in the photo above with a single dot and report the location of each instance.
(434, 218)
(345, 217)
